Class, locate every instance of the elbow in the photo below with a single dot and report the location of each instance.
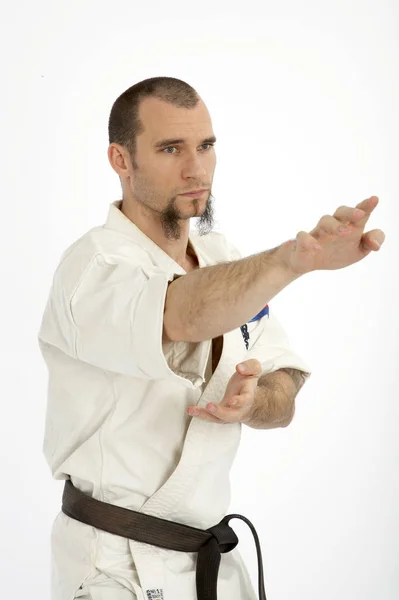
(288, 417)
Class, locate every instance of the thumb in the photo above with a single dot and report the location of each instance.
(250, 367)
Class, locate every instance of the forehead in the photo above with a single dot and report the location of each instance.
(163, 120)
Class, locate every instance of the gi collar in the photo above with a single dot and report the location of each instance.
(117, 221)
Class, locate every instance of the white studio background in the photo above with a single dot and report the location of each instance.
(304, 98)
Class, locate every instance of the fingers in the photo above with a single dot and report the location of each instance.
(231, 410)
(250, 367)
(345, 216)
(348, 214)
(229, 413)
(369, 204)
(217, 413)
(305, 242)
(202, 413)
(373, 240)
(331, 226)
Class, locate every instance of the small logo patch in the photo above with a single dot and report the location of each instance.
(244, 328)
(155, 594)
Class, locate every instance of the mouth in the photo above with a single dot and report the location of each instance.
(194, 194)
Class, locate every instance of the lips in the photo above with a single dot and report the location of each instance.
(195, 193)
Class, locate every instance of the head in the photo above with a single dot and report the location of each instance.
(154, 172)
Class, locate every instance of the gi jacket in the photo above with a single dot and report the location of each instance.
(116, 420)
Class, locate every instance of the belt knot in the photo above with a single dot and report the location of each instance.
(224, 535)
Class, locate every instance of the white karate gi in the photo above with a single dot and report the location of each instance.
(116, 421)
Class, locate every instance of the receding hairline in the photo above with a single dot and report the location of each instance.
(126, 120)
(171, 141)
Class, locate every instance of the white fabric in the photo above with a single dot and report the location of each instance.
(102, 587)
(116, 421)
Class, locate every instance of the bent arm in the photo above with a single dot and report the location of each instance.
(274, 404)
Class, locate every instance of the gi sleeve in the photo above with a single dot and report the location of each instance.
(269, 343)
(117, 310)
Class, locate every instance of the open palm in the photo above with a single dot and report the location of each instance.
(238, 399)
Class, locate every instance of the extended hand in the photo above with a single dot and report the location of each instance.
(238, 399)
(328, 246)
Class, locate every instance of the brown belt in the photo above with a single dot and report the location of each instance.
(166, 534)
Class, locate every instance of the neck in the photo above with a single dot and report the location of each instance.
(179, 250)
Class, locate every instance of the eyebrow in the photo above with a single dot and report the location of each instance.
(172, 142)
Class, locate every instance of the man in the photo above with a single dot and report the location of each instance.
(143, 333)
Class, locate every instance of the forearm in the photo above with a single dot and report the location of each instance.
(274, 403)
(214, 300)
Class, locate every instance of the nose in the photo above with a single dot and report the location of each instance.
(194, 169)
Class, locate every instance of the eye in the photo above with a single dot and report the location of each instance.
(171, 147)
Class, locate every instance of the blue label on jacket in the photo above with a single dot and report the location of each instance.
(244, 328)
(262, 313)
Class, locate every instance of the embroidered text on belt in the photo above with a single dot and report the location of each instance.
(166, 534)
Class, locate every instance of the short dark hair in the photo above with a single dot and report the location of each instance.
(124, 124)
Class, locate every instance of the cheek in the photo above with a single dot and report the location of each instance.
(211, 169)
(164, 174)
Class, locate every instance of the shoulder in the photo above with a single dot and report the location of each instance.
(99, 246)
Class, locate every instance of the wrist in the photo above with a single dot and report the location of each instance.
(282, 259)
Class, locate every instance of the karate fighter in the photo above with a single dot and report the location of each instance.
(160, 344)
